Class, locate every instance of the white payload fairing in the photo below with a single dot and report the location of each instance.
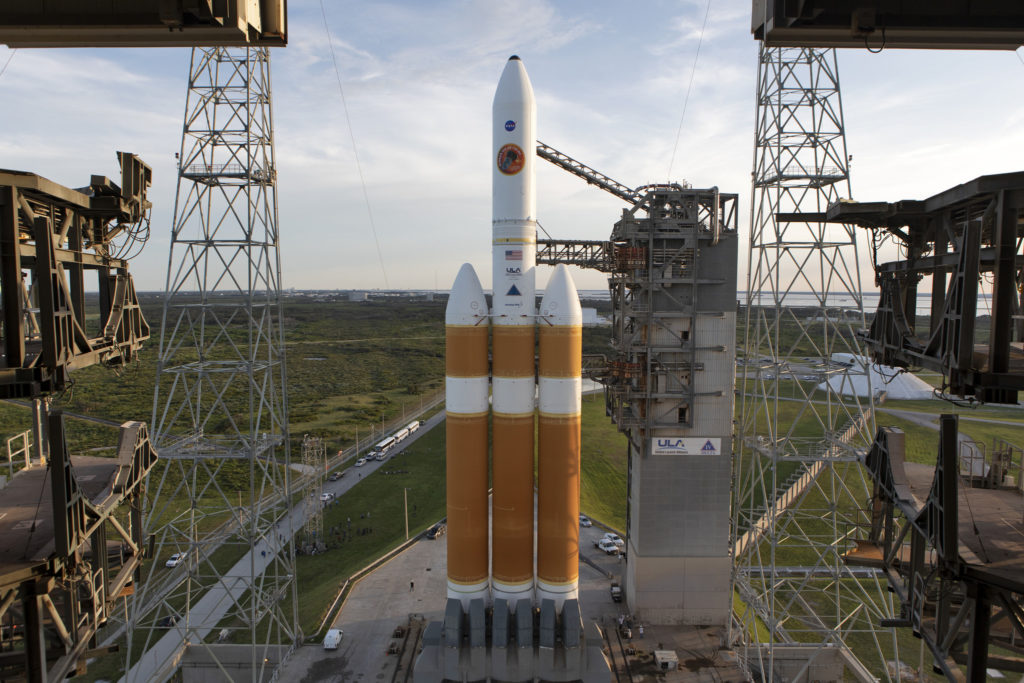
(513, 404)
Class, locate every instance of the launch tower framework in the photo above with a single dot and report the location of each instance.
(801, 490)
(220, 504)
(314, 462)
(670, 391)
(671, 262)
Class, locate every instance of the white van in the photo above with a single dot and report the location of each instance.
(333, 639)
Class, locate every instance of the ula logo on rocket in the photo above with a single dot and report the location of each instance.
(510, 125)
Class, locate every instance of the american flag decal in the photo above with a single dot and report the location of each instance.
(513, 254)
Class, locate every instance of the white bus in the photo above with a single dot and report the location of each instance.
(382, 447)
(413, 426)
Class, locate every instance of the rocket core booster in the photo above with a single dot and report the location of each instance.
(514, 323)
(513, 387)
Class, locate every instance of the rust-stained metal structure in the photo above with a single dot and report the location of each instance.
(72, 547)
(956, 238)
(51, 238)
(952, 552)
(877, 24)
(947, 536)
(143, 23)
(71, 526)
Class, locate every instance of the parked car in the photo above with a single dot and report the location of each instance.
(176, 559)
(333, 639)
(437, 530)
(360, 462)
(585, 521)
(607, 546)
(167, 622)
(614, 538)
(335, 476)
(616, 591)
(326, 497)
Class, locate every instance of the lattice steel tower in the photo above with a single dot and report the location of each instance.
(800, 489)
(314, 463)
(220, 410)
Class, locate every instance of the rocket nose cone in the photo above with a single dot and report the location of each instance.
(561, 302)
(514, 84)
(466, 302)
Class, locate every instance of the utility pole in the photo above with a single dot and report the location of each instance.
(405, 494)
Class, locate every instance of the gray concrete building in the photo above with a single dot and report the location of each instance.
(671, 391)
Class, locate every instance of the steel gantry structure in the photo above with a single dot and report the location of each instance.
(800, 489)
(219, 508)
(71, 524)
(669, 385)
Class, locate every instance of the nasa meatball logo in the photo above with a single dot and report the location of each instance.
(510, 125)
(511, 159)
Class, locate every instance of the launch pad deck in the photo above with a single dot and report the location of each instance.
(991, 527)
(413, 585)
(26, 512)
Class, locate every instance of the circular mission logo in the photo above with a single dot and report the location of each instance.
(511, 159)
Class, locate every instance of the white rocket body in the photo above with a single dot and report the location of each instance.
(513, 197)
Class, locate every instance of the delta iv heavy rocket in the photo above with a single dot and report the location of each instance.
(513, 322)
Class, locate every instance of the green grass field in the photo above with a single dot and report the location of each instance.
(375, 504)
(603, 466)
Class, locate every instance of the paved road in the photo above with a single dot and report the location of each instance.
(160, 661)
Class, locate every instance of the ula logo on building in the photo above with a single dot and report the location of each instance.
(698, 445)
(513, 271)
(678, 445)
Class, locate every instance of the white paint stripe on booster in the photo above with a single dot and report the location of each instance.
(465, 394)
(514, 395)
(560, 396)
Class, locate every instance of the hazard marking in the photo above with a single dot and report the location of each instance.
(513, 291)
(709, 446)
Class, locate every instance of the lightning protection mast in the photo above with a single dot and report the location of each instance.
(220, 592)
(800, 489)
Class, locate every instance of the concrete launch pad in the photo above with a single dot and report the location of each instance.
(383, 601)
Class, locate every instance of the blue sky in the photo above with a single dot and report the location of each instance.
(610, 80)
